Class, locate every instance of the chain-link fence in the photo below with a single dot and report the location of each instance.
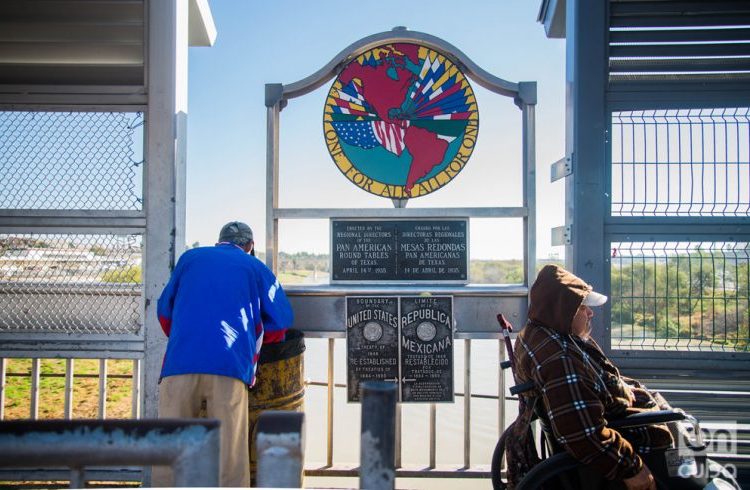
(71, 160)
(83, 284)
(687, 162)
(681, 296)
(70, 282)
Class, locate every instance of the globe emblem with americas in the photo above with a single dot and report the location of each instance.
(400, 120)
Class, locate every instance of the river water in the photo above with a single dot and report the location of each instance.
(415, 419)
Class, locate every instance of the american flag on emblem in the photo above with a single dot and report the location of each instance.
(357, 133)
(390, 135)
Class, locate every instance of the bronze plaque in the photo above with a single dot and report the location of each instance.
(434, 250)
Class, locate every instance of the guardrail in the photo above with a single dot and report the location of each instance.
(464, 467)
(190, 447)
(343, 464)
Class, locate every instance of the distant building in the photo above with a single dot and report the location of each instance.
(45, 263)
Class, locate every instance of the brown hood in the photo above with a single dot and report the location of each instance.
(555, 297)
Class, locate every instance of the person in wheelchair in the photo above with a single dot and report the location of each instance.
(579, 390)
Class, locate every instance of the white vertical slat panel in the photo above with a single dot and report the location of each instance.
(69, 373)
(467, 403)
(102, 388)
(136, 389)
(329, 446)
(34, 412)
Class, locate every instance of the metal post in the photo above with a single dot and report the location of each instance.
(34, 412)
(77, 477)
(181, 44)
(467, 403)
(159, 180)
(280, 445)
(102, 388)
(501, 390)
(433, 438)
(398, 436)
(329, 432)
(69, 374)
(529, 183)
(586, 134)
(272, 182)
(377, 451)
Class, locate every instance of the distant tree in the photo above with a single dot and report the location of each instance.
(98, 250)
(128, 274)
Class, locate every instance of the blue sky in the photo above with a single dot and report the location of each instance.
(286, 40)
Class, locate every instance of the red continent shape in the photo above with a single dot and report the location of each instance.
(380, 90)
(427, 151)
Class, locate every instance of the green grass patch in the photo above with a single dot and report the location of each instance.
(52, 389)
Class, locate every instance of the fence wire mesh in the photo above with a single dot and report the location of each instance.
(71, 160)
(687, 162)
(680, 296)
(83, 284)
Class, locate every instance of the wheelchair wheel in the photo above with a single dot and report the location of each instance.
(548, 469)
(497, 461)
(718, 470)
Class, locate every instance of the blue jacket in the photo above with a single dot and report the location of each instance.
(216, 309)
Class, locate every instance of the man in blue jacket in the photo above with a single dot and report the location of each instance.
(220, 305)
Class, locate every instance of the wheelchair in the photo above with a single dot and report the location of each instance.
(557, 469)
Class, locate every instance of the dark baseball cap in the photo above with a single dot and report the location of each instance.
(236, 232)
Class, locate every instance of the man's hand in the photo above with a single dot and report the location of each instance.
(643, 480)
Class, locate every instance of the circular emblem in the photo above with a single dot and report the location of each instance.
(426, 331)
(372, 331)
(400, 120)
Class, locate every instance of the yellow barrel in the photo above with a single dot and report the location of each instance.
(279, 386)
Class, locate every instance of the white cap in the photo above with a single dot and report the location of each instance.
(594, 299)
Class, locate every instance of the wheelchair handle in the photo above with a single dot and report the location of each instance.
(522, 388)
(648, 418)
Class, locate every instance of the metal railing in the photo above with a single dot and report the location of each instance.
(465, 423)
(337, 461)
(457, 418)
(190, 447)
(35, 375)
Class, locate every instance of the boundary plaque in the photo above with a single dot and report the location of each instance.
(426, 343)
(406, 340)
(371, 341)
